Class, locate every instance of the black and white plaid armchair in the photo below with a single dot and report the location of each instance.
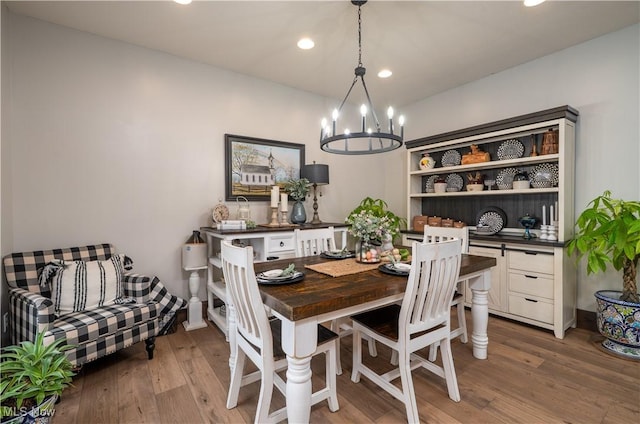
(149, 311)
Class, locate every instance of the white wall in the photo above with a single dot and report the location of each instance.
(600, 78)
(111, 142)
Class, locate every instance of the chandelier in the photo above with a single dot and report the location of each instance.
(367, 140)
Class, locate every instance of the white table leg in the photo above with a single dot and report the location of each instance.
(299, 342)
(480, 286)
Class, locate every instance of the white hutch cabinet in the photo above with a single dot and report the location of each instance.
(534, 280)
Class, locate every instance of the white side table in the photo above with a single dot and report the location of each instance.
(194, 314)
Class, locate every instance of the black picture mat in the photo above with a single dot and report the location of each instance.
(466, 208)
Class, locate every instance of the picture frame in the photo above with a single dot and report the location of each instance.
(254, 165)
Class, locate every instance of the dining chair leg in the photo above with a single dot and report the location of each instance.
(394, 357)
(266, 392)
(332, 358)
(335, 327)
(373, 351)
(235, 382)
(462, 323)
(449, 370)
(357, 356)
(408, 391)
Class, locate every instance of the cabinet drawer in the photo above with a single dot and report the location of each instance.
(534, 262)
(531, 308)
(280, 243)
(533, 284)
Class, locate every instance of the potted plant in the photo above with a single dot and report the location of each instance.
(373, 224)
(33, 377)
(298, 190)
(608, 233)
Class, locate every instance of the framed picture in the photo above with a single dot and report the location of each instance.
(253, 165)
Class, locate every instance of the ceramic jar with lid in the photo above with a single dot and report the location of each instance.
(427, 162)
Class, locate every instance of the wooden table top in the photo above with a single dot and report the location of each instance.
(320, 293)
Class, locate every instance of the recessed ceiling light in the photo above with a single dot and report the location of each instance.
(531, 3)
(306, 43)
(182, 1)
(385, 73)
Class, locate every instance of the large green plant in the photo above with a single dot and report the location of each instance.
(377, 208)
(609, 233)
(31, 372)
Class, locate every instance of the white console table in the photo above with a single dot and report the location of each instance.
(269, 243)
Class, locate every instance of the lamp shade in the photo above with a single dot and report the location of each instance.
(316, 173)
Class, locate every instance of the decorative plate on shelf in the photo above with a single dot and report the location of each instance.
(454, 181)
(545, 172)
(491, 220)
(510, 149)
(504, 180)
(451, 158)
(428, 187)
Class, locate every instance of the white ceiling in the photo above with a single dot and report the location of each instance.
(431, 46)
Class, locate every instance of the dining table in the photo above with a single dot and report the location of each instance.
(321, 297)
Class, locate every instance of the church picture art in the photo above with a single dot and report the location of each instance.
(254, 165)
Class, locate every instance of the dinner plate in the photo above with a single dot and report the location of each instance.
(545, 173)
(451, 158)
(491, 220)
(510, 149)
(338, 254)
(504, 180)
(275, 275)
(293, 278)
(455, 182)
(428, 187)
(391, 269)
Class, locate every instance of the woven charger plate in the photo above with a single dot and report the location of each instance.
(340, 268)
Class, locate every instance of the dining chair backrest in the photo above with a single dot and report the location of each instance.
(432, 281)
(242, 287)
(315, 241)
(436, 234)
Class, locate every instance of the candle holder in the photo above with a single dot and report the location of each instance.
(274, 217)
(544, 235)
(552, 231)
(283, 218)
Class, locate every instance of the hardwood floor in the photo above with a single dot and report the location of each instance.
(529, 377)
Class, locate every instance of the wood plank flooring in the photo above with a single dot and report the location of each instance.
(529, 377)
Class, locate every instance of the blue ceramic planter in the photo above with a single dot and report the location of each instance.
(619, 322)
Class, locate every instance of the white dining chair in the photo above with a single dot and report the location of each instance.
(313, 242)
(422, 319)
(257, 337)
(437, 234)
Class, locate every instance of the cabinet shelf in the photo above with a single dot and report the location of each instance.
(507, 163)
(486, 192)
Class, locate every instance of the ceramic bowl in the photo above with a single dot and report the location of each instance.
(475, 187)
(541, 184)
(521, 185)
(440, 187)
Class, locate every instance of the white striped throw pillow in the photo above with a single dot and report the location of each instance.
(79, 285)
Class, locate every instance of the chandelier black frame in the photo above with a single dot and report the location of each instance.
(366, 141)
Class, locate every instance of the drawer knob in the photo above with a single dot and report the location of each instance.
(281, 244)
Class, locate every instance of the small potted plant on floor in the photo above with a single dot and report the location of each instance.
(298, 190)
(608, 233)
(33, 377)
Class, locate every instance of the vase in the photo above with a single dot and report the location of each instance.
(367, 251)
(298, 214)
(618, 322)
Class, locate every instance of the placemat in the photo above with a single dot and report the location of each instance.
(343, 267)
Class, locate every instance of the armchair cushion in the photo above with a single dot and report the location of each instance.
(79, 285)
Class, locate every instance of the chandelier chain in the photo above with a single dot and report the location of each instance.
(359, 36)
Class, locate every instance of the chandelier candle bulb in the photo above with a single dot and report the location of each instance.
(401, 122)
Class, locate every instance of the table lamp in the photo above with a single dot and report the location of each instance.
(317, 174)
